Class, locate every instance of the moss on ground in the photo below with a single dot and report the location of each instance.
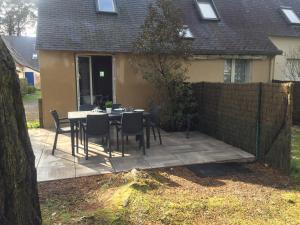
(177, 197)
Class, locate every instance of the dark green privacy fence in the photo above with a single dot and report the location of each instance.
(254, 117)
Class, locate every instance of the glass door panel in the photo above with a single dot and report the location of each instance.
(85, 88)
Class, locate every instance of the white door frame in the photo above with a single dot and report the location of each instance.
(78, 77)
(114, 76)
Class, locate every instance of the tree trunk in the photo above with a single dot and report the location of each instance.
(19, 201)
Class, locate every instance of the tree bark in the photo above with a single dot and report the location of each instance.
(19, 201)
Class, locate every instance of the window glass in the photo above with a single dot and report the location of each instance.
(207, 10)
(291, 15)
(106, 5)
(227, 71)
(240, 75)
(236, 70)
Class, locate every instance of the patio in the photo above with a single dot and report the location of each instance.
(176, 150)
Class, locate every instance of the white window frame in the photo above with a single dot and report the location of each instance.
(213, 7)
(105, 11)
(232, 75)
(284, 9)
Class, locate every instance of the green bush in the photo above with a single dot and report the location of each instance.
(108, 104)
(31, 89)
(23, 86)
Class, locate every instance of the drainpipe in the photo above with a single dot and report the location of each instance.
(258, 121)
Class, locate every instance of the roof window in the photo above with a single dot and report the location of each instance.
(186, 32)
(34, 56)
(106, 6)
(207, 9)
(290, 15)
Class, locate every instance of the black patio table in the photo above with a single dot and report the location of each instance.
(76, 116)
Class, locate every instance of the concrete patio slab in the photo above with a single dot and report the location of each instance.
(176, 150)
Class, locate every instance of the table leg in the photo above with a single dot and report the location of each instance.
(147, 132)
(72, 137)
(76, 132)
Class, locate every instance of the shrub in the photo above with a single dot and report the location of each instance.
(108, 104)
(31, 89)
(23, 86)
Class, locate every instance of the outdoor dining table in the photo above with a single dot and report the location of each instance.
(79, 116)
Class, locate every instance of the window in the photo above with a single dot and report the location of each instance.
(34, 56)
(186, 32)
(207, 10)
(291, 15)
(236, 71)
(106, 6)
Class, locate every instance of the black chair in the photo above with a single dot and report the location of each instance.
(84, 107)
(131, 125)
(96, 125)
(155, 121)
(59, 130)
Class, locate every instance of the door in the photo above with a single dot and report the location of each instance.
(30, 78)
(84, 80)
(102, 77)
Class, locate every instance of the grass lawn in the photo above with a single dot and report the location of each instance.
(176, 196)
(295, 163)
(30, 98)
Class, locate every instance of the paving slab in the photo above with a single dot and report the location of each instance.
(176, 150)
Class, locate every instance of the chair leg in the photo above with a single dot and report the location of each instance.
(109, 145)
(55, 142)
(80, 133)
(87, 148)
(127, 139)
(159, 136)
(153, 131)
(143, 140)
(122, 145)
(117, 138)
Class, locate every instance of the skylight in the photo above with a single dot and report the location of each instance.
(291, 15)
(34, 56)
(186, 32)
(106, 6)
(207, 10)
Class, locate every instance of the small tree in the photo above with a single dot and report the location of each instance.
(160, 55)
(292, 65)
(16, 15)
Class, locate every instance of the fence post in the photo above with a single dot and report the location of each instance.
(258, 121)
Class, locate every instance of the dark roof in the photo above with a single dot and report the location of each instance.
(244, 26)
(22, 50)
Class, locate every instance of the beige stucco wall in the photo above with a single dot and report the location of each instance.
(285, 44)
(57, 83)
(58, 80)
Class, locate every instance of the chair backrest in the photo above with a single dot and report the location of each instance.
(55, 118)
(155, 114)
(132, 123)
(86, 107)
(97, 124)
(116, 106)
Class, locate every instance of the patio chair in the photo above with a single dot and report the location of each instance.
(96, 126)
(155, 121)
(59, 130)
(84, 107)
(131, 125)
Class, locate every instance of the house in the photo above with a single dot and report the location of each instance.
(25, 56)
(84, 46)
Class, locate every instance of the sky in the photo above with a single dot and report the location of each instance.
(30, 31)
